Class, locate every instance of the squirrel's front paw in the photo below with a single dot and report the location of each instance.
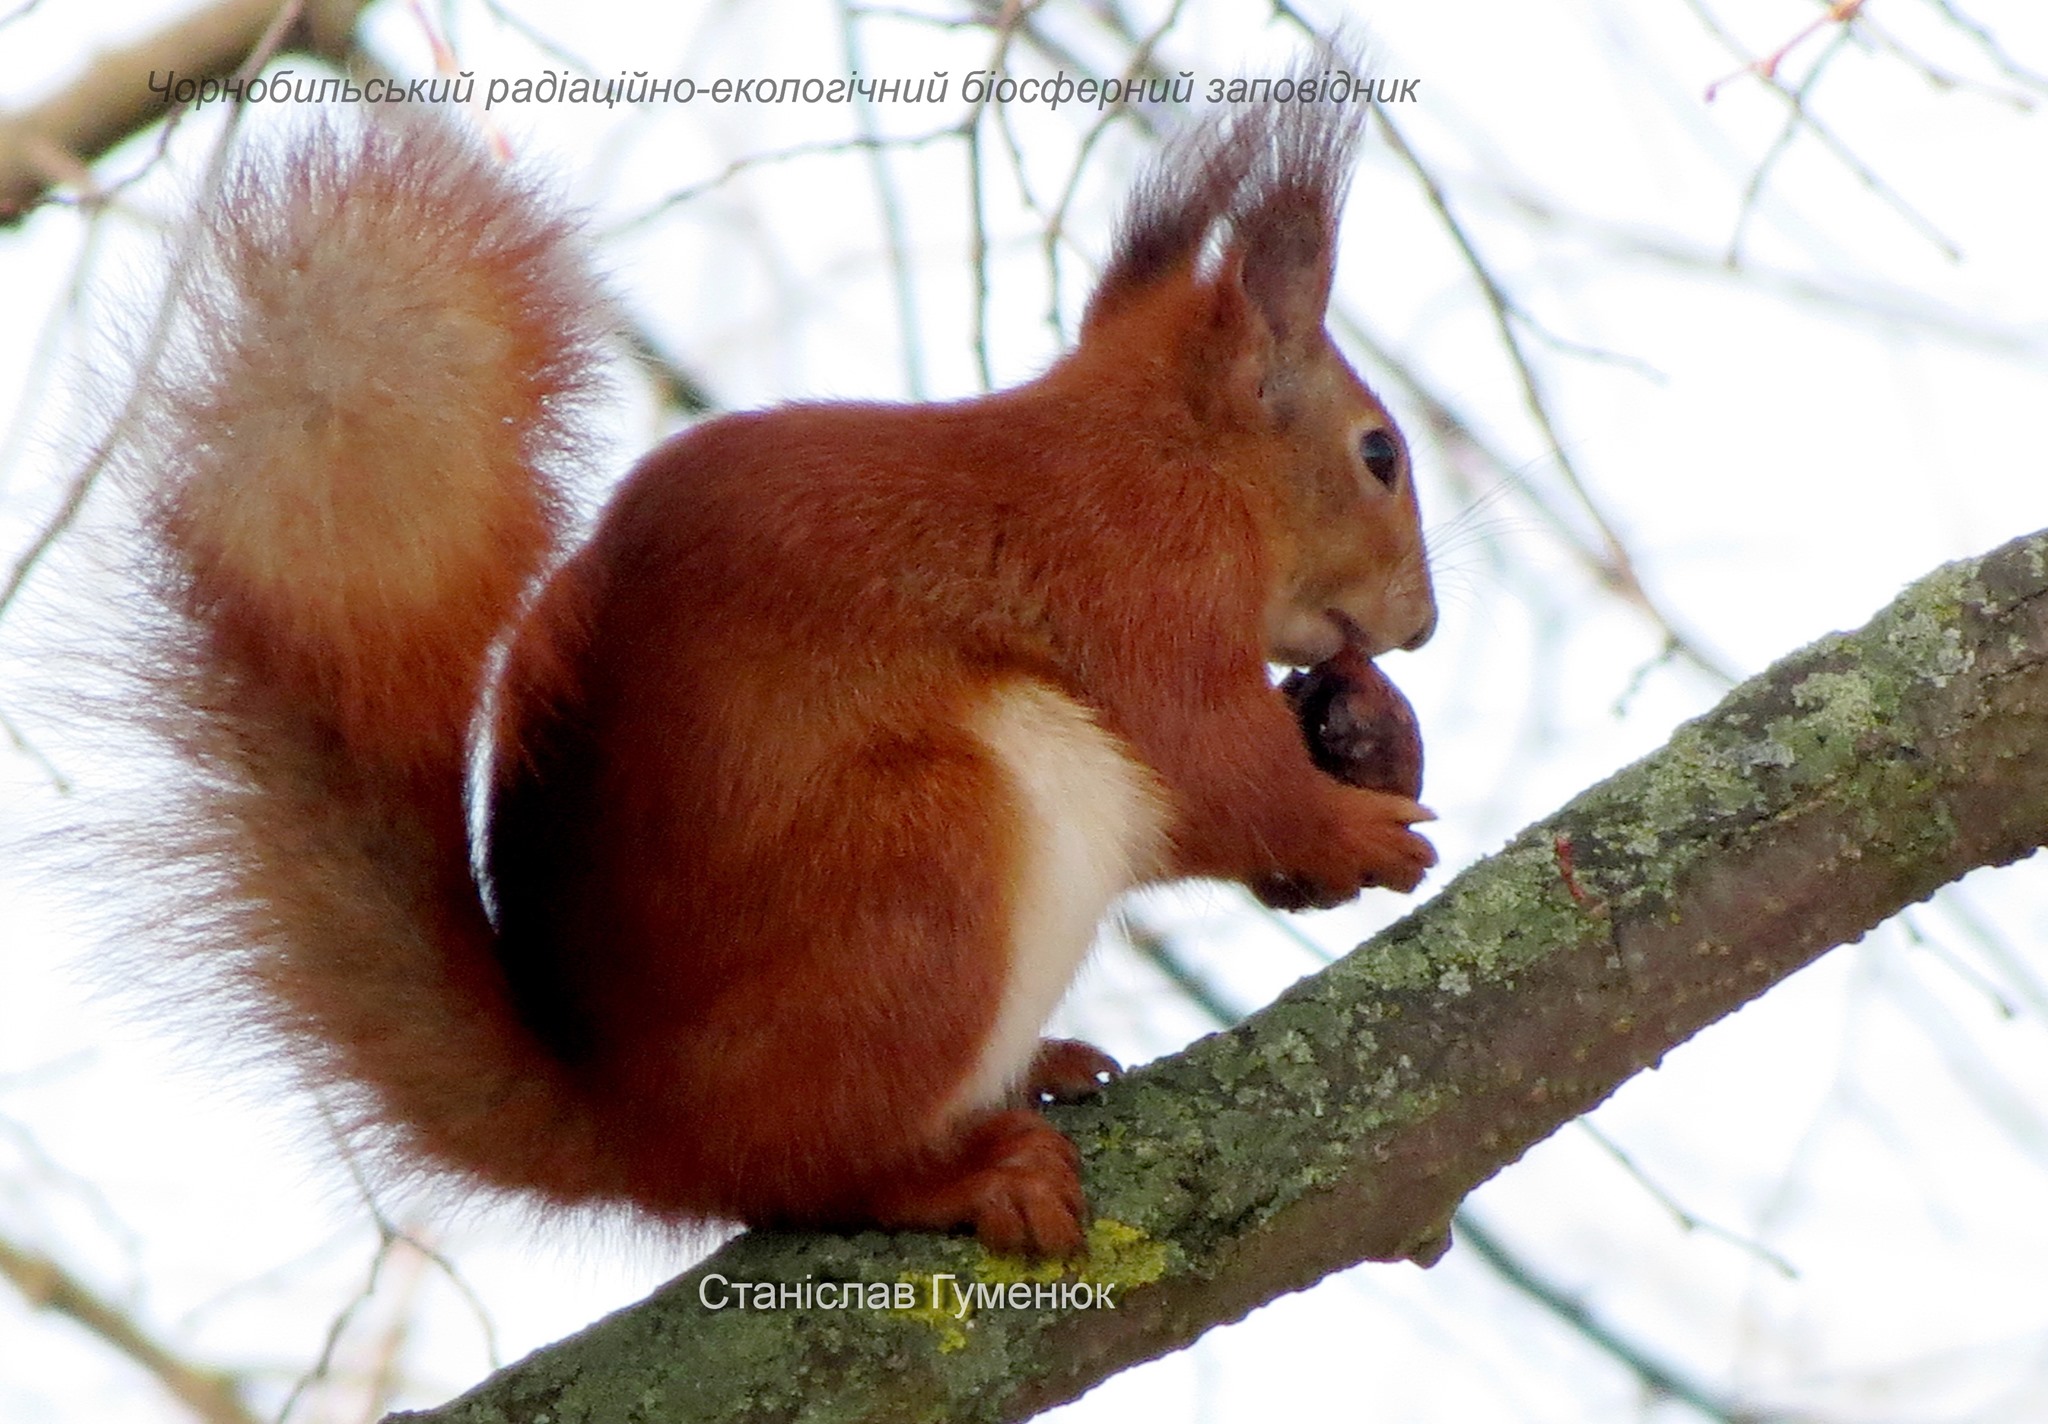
(1379, 849)
(1401, 858)
(1294, 890)
(1384, 845)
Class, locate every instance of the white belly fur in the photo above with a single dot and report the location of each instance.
(1094, 825)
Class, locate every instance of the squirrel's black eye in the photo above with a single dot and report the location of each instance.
(1381, 455)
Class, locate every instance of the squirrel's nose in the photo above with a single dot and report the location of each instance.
(1422, 634)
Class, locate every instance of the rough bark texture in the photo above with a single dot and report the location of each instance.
(1346, 1122)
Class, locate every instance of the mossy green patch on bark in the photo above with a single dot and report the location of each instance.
(1346, 1120)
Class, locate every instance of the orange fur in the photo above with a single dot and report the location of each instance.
(768, 845)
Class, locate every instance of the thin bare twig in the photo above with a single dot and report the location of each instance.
(890, 202)
(282, 23)
(1979, 982)
(548, 45)
(1795, 120)
(214, 1396)
(1825, 135)
(1687, 1220)
(977, 258)
(1827, 287)
(1878, 38)
(1842, 12)
(2019, 976)
(391, 1238)
(112, 99)
(1615, 564)
(1987, 43)
(1660, 1377)
(1139, 67)
(690, 192)
(19, 12)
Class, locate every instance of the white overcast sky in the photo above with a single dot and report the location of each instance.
(1780, 448)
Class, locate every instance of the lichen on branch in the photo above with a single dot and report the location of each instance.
(1347, 1120)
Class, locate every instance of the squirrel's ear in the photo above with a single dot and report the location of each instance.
(1285, 253)
(1240, 340)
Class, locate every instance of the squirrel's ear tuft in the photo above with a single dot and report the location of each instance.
(1284, 224)
(1285, 262)
(1262, 182)
(1181, 199)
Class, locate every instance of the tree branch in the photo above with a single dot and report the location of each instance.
(1346, 1121)
(213, 1396)
(54, 142)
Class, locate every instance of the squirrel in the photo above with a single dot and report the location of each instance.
(727, 866)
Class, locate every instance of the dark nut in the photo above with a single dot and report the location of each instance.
(1359, 727)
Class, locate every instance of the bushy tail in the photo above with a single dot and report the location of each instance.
(350, 467)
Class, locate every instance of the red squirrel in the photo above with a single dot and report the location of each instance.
(811, 772)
